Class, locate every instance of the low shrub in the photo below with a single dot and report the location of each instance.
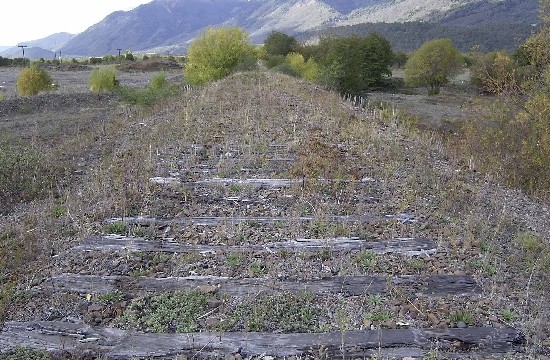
(158, 89)
(33, 80)
(158, 81)
(103, 79)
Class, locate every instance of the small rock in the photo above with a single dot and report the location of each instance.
(389, 324)
(432, 320)
(208, 289)
(367, 323)
(214, 303)
(461, 325)
(95, 307)
(212, 322)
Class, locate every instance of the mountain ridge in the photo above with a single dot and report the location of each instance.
(168, 26)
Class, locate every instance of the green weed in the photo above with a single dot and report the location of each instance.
(110, 297)
(257, 268)
(367, 260)
(118, 227)
(147, 97)
(103, 79)
(508, 315)
(282, 312)
(461, 316)
(26, 354)
(378, 316)
(234, 260)
(171, 312)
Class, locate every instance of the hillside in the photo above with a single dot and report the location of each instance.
(166, 25)
(41, 48)
(410, 36)
(261, 216)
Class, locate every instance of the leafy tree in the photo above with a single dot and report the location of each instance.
(32, 80)
(514, 140)
(400, 59)
(128, 55)
(278, 43)
(307, 69)
(432, 64)
(352, 64)
(216, 53)
(495, 72)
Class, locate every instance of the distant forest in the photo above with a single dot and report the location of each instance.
(410, 36)
(501, 25)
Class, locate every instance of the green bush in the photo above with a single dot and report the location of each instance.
(103, 79)
(495, 72)
(307, 69)
(33, 80)
(353, 64)
(287, 69)
(432, 64)
(129, 56)
(278, 43)
(272, 61)
(159, 81)
(216, 53)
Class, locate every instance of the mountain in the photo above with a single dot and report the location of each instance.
(163, 25)
(41, 48)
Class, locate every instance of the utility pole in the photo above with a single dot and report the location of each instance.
(23, 48)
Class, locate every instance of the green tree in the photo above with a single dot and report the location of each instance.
(216, 53)
(514, 139)
(278, 43)
(353, 64)
(432, 64)
(400, 59)
(307, 69)
(128, 55)
(33, 80)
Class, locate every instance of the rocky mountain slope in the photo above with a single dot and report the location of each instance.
(171, 24)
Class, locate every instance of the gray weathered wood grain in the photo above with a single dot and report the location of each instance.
(404, 246)
(348, 285)
(122, 344)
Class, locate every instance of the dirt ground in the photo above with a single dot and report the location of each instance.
(76, 80)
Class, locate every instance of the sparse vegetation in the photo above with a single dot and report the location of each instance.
(177, 312)
(26, 354)
(283, 312)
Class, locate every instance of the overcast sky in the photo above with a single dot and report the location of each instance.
(25, 20)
